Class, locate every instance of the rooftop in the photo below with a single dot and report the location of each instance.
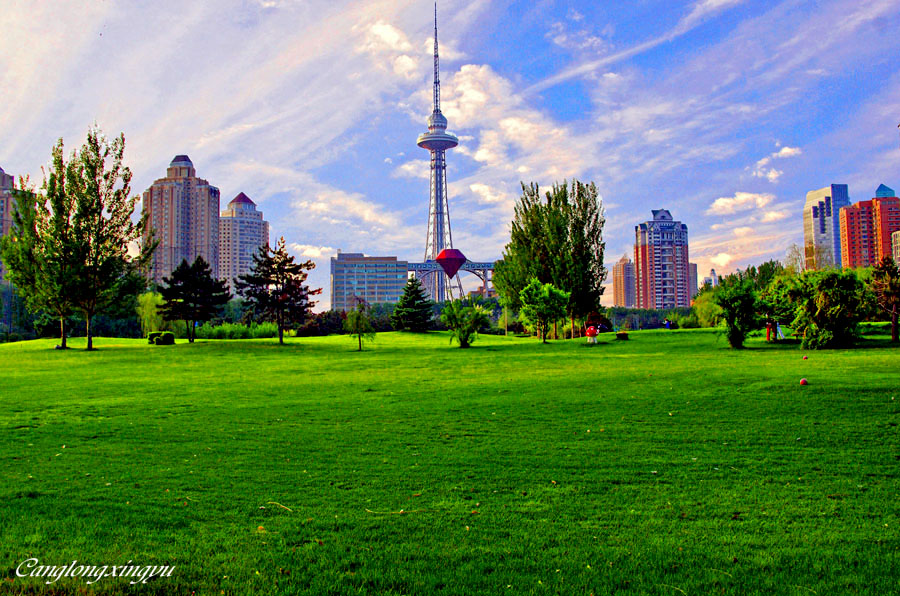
(884, 192)
(242, 198)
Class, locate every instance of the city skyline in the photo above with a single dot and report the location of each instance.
(653, 102)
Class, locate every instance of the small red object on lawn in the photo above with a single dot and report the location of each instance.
(804, 382)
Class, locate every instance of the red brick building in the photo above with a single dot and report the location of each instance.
(866, 229)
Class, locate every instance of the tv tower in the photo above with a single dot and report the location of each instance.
(437, 140)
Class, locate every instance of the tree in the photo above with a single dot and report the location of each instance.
(558, 240)
(102, 226)
(40, 252)
(830, 304)
(275, 288)
(738, 304)
(192, 295)
(794, 260)
(885, 285)
(148, 305)
(413, 311)
(464, 317)
(358, 324)
(543, 304)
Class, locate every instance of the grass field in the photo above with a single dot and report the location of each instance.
(667, 464)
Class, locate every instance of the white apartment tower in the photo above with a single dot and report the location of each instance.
(242, 230)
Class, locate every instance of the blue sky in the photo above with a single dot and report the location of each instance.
(725, 112)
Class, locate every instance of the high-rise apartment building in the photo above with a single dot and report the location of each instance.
(821, 226)
(895, 244)
(867, 228)
(693, 279)
(7, 184)
(183, 214)
(623, 283)
(242, 230)
(376, 280)
(661, 262)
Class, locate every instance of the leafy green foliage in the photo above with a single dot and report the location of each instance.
(192, 295)
(885, 286)
(464, 317)
(738, 304)
(830, 305)
(166, 338)
(237, 331)
(102, 227)
(275, 289)
(558, 240)
(148, 305)
(542, 305)
(40, 252)
(359, 325)
(413, 311)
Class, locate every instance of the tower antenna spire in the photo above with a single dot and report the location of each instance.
(437, 67)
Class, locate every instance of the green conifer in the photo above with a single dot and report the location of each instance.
(413, 311)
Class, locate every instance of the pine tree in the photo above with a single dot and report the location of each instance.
(274, 288)
(192, 295)
(413, 311)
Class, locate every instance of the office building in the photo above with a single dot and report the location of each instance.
(623, 283)
(183, 214)
(867, 227)
(895, 244)
(821, 229)
(242, 230)
(7, 184)
(692, 279)
(376, 280)
(661, 262)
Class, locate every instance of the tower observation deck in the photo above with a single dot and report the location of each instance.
(439, 236)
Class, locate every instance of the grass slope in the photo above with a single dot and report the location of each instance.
(667, 465)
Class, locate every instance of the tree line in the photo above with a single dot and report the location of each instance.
(74, 248)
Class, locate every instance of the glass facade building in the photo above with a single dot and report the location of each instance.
(375, 280)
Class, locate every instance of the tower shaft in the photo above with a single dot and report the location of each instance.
(438, 236)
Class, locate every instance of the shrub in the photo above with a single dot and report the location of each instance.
(151, 337)
(831, 304)
(166, 338)
(738, 304)
(237, 331)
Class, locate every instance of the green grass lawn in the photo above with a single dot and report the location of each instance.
(667, 464)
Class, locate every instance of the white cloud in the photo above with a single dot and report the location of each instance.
(491, 195)
(741, 201)
(312, 252)
(722, 259)
(382, 36)
(701, 11)
(770, 173)
(743, 231)
(414, 168)
(771, 216)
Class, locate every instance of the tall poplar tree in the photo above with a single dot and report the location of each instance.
(557, 239)
(40, 251)
(103, 226)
